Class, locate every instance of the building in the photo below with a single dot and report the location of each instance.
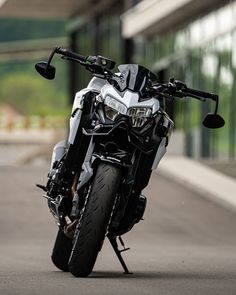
(191, 40)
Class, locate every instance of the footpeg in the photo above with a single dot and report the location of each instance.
(42, 187)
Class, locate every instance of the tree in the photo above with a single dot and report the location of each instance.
(30, 94)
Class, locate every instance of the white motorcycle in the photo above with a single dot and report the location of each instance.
(119, 132)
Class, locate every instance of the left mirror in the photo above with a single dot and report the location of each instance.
(45, 70)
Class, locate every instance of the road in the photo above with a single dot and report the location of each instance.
(185, 245)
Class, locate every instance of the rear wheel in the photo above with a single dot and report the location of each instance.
(95, 219)
(61, 251)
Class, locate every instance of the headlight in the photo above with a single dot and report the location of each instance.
(139, 112)
(113, 108)
(139, 115)
(111, 113)
(115, 105)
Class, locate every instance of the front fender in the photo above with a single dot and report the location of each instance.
(88, 168)
(108, 159)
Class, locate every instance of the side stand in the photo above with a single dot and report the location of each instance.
(114, 244)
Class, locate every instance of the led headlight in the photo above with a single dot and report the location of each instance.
(139, 115)
(116, 105)
(111, 113)
(113, 108)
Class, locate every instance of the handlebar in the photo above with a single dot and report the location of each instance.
(93, 63)
(70, 54)
(202, 94)
(102, 65)
(179, 89)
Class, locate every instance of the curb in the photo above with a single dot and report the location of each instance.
(207, 181)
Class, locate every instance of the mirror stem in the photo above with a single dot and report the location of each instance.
(50, 58)
(217, 104)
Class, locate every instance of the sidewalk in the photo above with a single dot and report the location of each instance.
(207, 181)
(30, 136)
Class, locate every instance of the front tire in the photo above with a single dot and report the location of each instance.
(94, 222)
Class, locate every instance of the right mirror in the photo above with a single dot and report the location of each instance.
(213, 121)
(45, 70)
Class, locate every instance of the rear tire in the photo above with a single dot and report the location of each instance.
(94, 222)
(61, 251)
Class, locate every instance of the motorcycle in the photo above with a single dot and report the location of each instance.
(119, 131)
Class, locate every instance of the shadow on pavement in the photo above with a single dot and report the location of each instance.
(164, 275)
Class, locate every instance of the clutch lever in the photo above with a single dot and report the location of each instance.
(72, 59)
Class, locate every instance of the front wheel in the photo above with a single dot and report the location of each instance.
(95, 219)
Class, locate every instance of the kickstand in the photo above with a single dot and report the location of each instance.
(114, 244)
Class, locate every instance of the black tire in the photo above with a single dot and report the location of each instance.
(61, 251)
(93, 224)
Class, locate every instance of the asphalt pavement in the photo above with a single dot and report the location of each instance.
(185, 245)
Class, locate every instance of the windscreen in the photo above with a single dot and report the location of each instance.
(134, 77)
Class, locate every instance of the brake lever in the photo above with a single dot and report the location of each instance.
(165, 95)
(181, 88)
(195, 96)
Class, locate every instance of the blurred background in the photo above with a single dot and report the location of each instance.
(191, 41)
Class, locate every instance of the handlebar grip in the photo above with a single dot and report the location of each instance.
(71, 54)
(202, 94)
